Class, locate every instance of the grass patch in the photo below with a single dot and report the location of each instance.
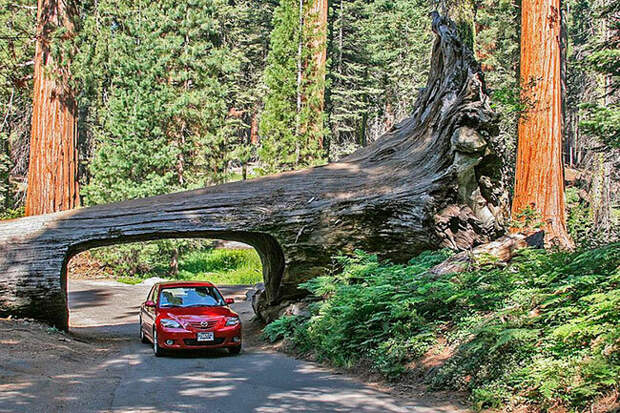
(543, 331)
(130, 280)
(220, 266)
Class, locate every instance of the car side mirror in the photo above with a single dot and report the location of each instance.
(149, 303)
(229, 301)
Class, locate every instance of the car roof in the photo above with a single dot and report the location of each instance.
(185, 284)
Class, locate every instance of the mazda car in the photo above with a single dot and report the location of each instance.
(189, 315)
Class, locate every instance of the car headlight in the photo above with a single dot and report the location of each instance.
(168, 323)
(232, 321)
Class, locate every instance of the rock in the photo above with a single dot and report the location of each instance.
(257, 297)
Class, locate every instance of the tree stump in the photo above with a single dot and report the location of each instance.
(430, 182)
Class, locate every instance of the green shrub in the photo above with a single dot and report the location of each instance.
(222, 266)
(283, 327)
(543, 330)
(11, 213)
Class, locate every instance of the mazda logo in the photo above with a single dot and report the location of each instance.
(204, 324)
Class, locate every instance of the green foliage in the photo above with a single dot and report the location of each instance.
(291, 126)
(196, 261)
(12, 213)
(594, 65)
(155, 81)
(167, 90)
(543, 330)
(17, 31)
(603, 122)
(379, 60)
(369, 313)
(528, 218)
(283, 327)
(222, 266)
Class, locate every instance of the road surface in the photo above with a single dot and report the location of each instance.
(131, 379)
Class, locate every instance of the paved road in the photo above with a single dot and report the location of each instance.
(133, 380)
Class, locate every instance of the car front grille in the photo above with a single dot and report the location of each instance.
(194, 342)
(199, 325)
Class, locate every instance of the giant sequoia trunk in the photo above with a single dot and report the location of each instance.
(53, 167)
(318, 15)
(428, 183)
(539, 177)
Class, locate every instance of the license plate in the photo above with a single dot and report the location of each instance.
(205, 337)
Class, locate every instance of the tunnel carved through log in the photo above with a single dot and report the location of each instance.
(430, 182)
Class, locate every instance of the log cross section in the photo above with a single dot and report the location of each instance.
(428, 183)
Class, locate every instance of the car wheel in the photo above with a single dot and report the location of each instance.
(142, 335)
(234, 350)
(156, 349)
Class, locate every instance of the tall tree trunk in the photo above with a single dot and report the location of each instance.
(300, 44)
(5, 146)
(174, 262)
(311, 62)
(539, 181)
(319, 45)
(318, 14)
(52, 173)
(254, 139)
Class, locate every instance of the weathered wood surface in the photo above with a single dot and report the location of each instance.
(497, 252)
(428, 183)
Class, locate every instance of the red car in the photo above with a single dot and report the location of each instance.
(189, 315)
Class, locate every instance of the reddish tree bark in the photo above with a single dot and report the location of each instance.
(539, 181)
(53, 168)
(317, 58)
(254, 129)
(319, 12)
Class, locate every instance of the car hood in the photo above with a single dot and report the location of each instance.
(196, 313)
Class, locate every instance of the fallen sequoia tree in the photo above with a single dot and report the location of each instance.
(432, 181)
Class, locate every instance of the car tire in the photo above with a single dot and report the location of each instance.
(142, 335)
(234, 350)
(158, 351)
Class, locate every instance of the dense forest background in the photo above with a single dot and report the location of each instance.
(180, 95)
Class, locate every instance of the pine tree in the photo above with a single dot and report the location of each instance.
(291, 126)
(379, 54)
(17, 48)
(497, 49)
(157, 74)
(601, 116)
(246, 34)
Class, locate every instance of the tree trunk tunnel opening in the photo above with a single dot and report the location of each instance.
(266, 246)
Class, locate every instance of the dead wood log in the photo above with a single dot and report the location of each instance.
(430, 182)
(497, 252)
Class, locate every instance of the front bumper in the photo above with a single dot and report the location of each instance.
(186, 340)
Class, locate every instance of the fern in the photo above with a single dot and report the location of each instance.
(541, 331)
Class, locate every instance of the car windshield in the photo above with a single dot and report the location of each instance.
(190, 297)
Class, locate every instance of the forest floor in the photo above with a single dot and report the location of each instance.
(101, 366)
